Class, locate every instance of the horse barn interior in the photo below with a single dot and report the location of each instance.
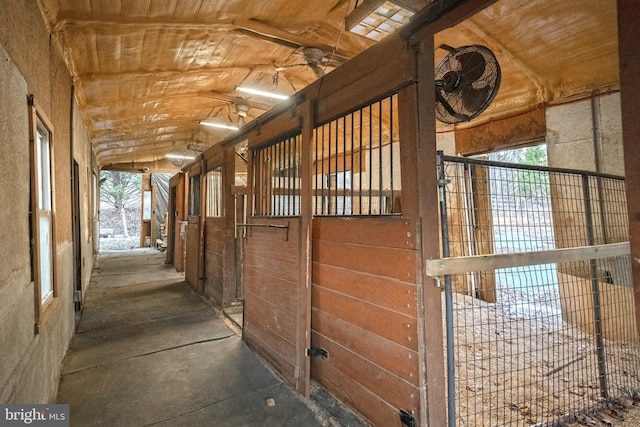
(365, 232)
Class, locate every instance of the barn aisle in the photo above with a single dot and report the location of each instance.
(149, 351)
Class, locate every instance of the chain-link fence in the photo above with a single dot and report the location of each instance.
(540, 317)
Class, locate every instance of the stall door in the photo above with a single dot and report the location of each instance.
(193, 249)
(276, 294)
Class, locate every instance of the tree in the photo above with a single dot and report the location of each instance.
(534, 184)
(120, 189)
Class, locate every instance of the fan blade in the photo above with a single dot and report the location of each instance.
(451, 116)
(474, 99)
(318, 70)
(472, 65)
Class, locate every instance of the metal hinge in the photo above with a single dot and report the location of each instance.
(315, 352)
(407, 418)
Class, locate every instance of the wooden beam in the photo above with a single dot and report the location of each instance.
(433, 405)
(303, 334)
(629, 54)
(440, 15)
(161, 165)
(511, 132)
(467, 264)
(275, 35)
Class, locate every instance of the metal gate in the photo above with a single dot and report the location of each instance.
(538, 295)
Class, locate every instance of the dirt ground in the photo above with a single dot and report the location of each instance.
(625, 413)
(517, 363)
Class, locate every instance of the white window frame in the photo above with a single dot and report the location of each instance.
(215, 195)
(42, 212)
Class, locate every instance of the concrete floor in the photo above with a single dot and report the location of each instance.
(149, 351)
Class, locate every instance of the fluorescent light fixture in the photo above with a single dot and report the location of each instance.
(219, 125)
(260, 92)
(179, 157)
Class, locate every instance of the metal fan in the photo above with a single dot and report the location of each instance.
(314, 59)
(467, 81)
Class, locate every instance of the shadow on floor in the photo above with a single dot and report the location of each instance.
(149, 351)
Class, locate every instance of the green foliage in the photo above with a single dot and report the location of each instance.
(536, 156)
(533, 183)
(120, 189)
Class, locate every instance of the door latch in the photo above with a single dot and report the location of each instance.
(315, 352)
(407, 418)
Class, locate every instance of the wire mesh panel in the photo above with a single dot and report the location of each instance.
(542, 328)
(357, 162)
(277, 177)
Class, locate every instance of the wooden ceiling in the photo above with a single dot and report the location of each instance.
(148, 71)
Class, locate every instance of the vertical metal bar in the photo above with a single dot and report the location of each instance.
(259, 176)
(330, 142)
(360, 168)
(276, 190)
(288, 169)
(380, 185)
(370, 158)
(337, 164)
(291, 171)
(255, 184)
(595, 289)
(391, 151)
(275, 179)
(293, 178)
(448, 293)
(352, 161)
(315, 189)
(322, 200)
(344, 164)
(271, 183)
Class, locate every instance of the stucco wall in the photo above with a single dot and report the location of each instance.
(31, 63)
(570, 134)
(86, 162)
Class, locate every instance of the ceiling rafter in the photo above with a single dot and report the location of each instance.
(103, 137)
(250, 27)
(181, 74)
(142, 148)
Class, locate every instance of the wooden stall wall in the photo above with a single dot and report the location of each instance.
(192, 264)
(364, 314)
(220, 259)
(272, 275)
(214, 255)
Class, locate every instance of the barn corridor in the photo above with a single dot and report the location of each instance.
(149, 351)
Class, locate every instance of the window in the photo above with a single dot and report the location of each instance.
(214, 193)
(194, 195)
(146, 205)
(42, 207)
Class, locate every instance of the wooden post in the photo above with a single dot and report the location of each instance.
(229, 253)
(303, 340)
(416, 105)
(629, 53)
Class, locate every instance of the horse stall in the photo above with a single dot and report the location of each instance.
(338, 227)
(367, 258)
(219, 282)
(193, 227)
